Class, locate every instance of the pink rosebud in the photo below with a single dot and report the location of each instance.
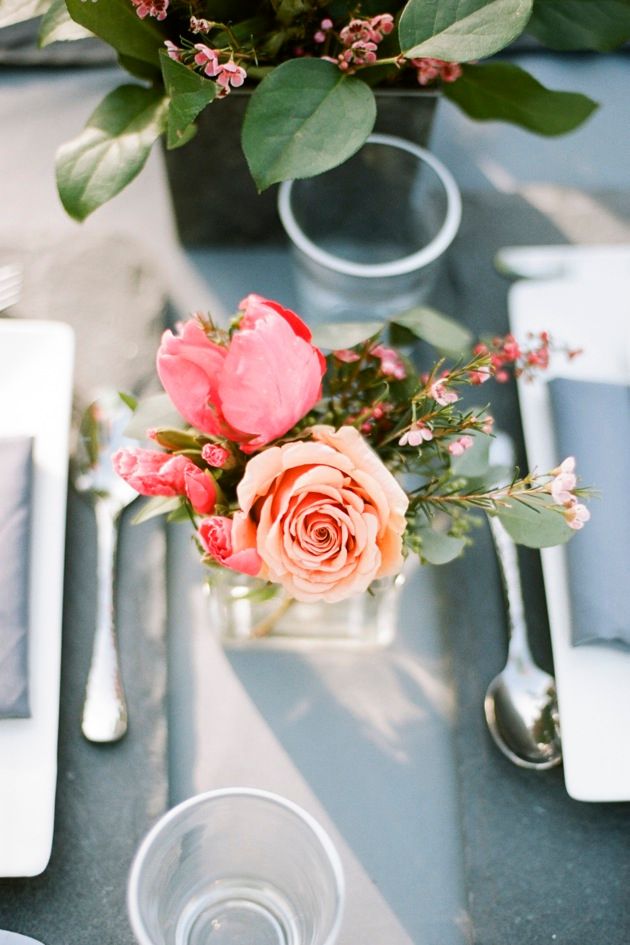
(227, 544)
(152, 473)
(215, 455)
(201, 490)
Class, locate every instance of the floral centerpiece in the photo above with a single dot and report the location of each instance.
(312, 64)
(319, 474)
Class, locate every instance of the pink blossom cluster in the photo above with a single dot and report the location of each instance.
(562, 488)
(429, 70)
(360, 38)
(440, 392)
(505, 352)
(392, 365)
(228, 75)
(154, 8)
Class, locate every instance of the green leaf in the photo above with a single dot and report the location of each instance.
(335, 336)
(460, 30)
(503, 92)
(155, 411)
(111, 150)
(305, 118)
(536, 523)
(156, 505)
(438, 547)
(473, 462)
(189, 94)
(57, 26)
(128, 399)
(441, 331)
(117, 22)
(16, 11)
(581, 24)
(141, 69)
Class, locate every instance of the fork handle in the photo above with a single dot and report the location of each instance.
(105, 708)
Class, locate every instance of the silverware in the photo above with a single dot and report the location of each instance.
(10, 286)
(520, 705)
(14, 938)
(101, 433)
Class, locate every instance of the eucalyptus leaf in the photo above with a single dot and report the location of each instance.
(536, 523)
(117, 22)
(111, 150)
(154, 411)
(303, 119)
(581, 24)
(58, 26)
(16, 11)
(335, 336)
(189, 94)
(504, 92)
(474, 462)
(439, 330)
(156, 505)
(460, 30)
(438, 547)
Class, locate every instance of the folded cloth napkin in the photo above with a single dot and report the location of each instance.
(592, 423)
(15, 516)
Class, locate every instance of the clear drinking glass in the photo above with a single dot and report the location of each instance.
(236, 867)
(368, 236)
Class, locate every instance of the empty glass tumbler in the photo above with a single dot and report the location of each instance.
(367, 237)
(236, 867)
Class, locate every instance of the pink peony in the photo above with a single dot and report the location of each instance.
(327, 515)
(230, 546)
(252, 391)
(150, 472)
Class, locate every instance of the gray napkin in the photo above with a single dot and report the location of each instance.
(15, 515)
(592, 423)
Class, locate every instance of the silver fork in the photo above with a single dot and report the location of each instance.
(10, 286)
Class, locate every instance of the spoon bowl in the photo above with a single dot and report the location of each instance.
(521, 711)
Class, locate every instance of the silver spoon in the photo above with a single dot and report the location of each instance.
(100, 435)
(520, 705)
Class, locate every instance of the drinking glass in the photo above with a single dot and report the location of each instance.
(235, 866)
(367, 237)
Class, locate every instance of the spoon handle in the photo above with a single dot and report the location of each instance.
(508, 562)
(105, 709)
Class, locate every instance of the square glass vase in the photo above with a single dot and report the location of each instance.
(246, 611)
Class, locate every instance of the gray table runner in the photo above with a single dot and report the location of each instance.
(592, 423)
(15, 527)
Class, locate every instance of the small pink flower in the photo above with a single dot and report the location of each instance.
(488, 425)
(199, 25)
(229, 75)
(221, 540)
(363, 52)
(416, 435)
(461, 445)
(441, 394)
(215, 455)
(154, 8)
(174, 52)
(347, 356)
(428, 70)
(450, 72)
(319, 37)
(358, 30)
(576, 515)
(391, 362)
(208, 58)
(326, 24)
(564, 482)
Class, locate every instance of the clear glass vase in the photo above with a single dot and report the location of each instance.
(245, 611)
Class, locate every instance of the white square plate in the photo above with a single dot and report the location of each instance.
(593, 682)
(36, 366)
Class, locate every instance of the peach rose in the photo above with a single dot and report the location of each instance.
(329, 516)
